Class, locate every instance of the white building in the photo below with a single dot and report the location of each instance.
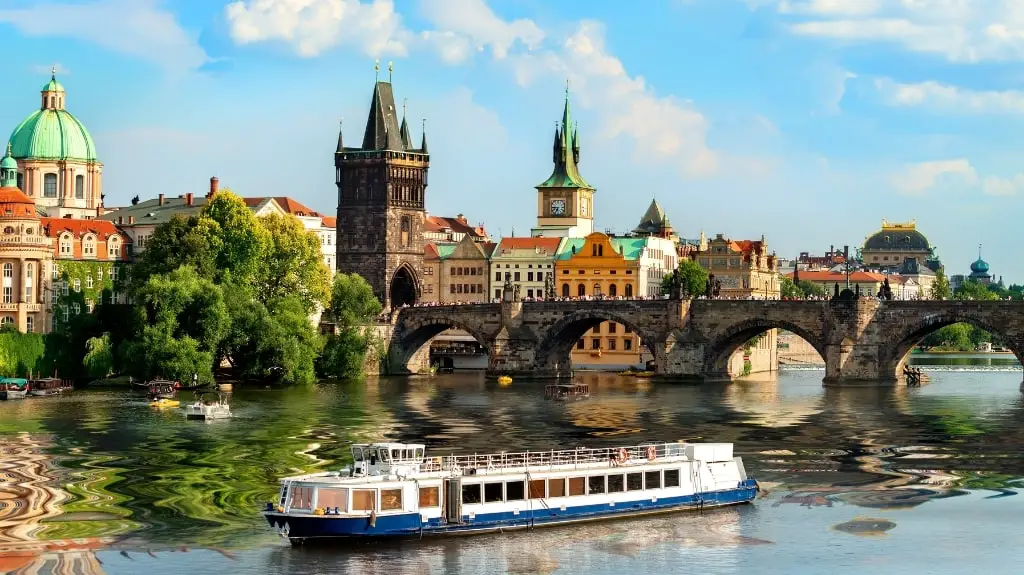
(527, 260)
(657, 259)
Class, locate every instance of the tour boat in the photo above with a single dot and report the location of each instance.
(567, 391)
(208, 406)
(159, 389)
(48, 386)
(391, 490)
(13, 388)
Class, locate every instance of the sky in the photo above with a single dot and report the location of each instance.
(806, 121)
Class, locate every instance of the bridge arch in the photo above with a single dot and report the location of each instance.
(554, 353)
(720, 347)
(893, 355)
(409, 351)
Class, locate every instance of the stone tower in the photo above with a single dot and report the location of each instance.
(381, 191)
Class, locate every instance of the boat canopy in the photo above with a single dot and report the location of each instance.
(19, 381)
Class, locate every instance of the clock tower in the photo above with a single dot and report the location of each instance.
(565, 201)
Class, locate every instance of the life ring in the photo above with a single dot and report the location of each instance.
(622, 457)
(652, 453)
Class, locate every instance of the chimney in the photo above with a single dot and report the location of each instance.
(161, 200)
(461, 218)
(188, 199)
(214, 183)
(131, 220)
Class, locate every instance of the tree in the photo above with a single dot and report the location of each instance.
(294, 264)
(974, 290)
(245, 243)
(693, 279)
(99, 357)
(940, 287)
(353, 305)
(801, 289)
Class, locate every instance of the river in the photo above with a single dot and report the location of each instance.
(919, 480)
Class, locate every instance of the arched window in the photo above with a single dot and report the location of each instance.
(49, 185)
(29, 273)
(613, 290)
(89, 246)
(67, 249)
(629, 290)
(114, 248)
(8, 282)
(565, 290)
(581, 290)
(88, 282)
(6, 321)
(597, 289)
(80, 187)
(600, 250)
(406, 232)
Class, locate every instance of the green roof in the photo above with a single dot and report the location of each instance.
(445, 250)
(52, 135)
(631, 248)
(150, 212)
(566, 154)
(8, 163)
(53, 85)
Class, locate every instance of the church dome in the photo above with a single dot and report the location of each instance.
(8, 162)
(51, 132)
(897, 237)
(980, 266)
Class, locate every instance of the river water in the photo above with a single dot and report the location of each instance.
(918, 480)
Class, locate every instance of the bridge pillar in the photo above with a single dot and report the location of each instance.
(856, 345)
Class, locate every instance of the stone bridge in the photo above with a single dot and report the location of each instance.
(860, 341)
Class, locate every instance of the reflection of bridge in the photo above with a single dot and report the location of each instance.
(863, 340)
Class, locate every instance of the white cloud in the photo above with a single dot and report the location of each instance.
(997, 186)
(662, 128)
(951, 99)
(139, 28)
(473, 23)
(959, 30)
(916, 179)
(314, 26)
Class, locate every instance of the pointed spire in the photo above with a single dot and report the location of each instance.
(565, 153)
(576, 143)
(423, 143)
(341, 128)
(404, 130)
(556, 149)
(382, 131)
(8, 169)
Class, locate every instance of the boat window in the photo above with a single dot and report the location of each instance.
(515, 491)
(419, 453)
(652, 480)
(364, 499)
(493, 492)
(390, 499)
(671, 478)
(302, 498)
(615, 484)
(357, 453)
(577, 486)
(396, 454)
(595, 483)
(332, 498)
(537, 489)
(371, 454)
(556, 487)
(634, 481)
(430, 497)
(471, 493)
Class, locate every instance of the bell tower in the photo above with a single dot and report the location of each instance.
(381, 192)
(565, 201)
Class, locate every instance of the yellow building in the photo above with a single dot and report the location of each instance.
(456, 272)
(596, 267)
(743, 268)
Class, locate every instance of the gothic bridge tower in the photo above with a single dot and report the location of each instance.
(381, 191)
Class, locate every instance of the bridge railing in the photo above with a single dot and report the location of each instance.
(546, 459)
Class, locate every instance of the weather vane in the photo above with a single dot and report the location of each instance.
(376, 69)
(391, 68)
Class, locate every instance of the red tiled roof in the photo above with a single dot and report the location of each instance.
(79, 228)
(828, 276)
(329, 221)
(294, 208)
(440, 224)
(550, 245)
(488, 248)
(14, 196)
(430, 251)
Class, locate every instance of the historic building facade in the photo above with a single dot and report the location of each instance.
(381, 197)
(455, 272)
(565, 201)
(744, 268)
(889, 247)
(529, 262)
(57, 163)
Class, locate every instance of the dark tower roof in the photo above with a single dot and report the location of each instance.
(566, 155)
(341, 144)
(423, 143)
(653, 222)
(897, 237)
(382, 130)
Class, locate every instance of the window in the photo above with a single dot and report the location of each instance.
(390, 499)
(515, 276)
(406, 231)
(581, 344)
(29, 272)
(89, 246)
(497, 294)
(611, 327)
(114, 248)
(597, 329)
(29, 324)
(627, 344)
(613, 290)
(8, 270)
(56, 271)
(627, 329)
(565, 290)
(302, 498)
(64, 288)
(66, 247)
(611, 344)
(50, 185)
(88, 282)
(556, 487)
(629, 289)
(577, 486)
(8, 294)
(529, 293)
(615, 484)
(537, 489)
(671, 478)
(8, 282)
(529, 276)
(332, 499)
(80, 187)
(596, 343)
(21, 181)
(515, 491)
(634, 481)
(652, 480)
(471, 493)
(595, 484)
(430, 497)
(364, 499)
(493, 492)
(67, 311)
(76, 307)
(78, 284)
(497, 276)
(581, 290)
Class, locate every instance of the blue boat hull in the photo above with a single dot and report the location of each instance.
(311, 527)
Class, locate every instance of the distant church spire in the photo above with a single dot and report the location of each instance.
(8, 170)
(341, 128)
(566, 153)
(423, 143)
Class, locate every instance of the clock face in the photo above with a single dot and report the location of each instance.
(557, 207)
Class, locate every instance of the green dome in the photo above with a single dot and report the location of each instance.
(53, 86)
(8, 163)
(52, 135)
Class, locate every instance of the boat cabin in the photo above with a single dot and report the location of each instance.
(386, 458)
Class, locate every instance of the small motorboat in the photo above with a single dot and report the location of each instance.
(161, 389)
(163, 402)
(567, 391)
(48, 386)
(208, 406)
(504, 380)
(13, 388)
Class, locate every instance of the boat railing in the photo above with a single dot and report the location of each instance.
(567, 457)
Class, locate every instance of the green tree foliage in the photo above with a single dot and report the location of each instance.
(193, 242)
(21, 354)
(974, 290)
(940, 288)
(957, 337)
(801, 289)
(693, 278)
(245, 242)
(294, 264)
(352, 306)
(99, 357)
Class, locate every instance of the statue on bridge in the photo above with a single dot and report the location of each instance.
(676, 291)
(886, 291)
(508, 289)
(549, 286)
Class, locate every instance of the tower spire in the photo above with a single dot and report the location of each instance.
(8, 170)
(341, 128)
(376, 70)
(566, 152)
(404, 129)
(423, 143)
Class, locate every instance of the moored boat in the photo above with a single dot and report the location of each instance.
(208, 406)
(163, 402)
(48, 386)
(567, 391)
(13, 388)
(392, 490)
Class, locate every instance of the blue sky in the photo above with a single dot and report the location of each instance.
(807, 121)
